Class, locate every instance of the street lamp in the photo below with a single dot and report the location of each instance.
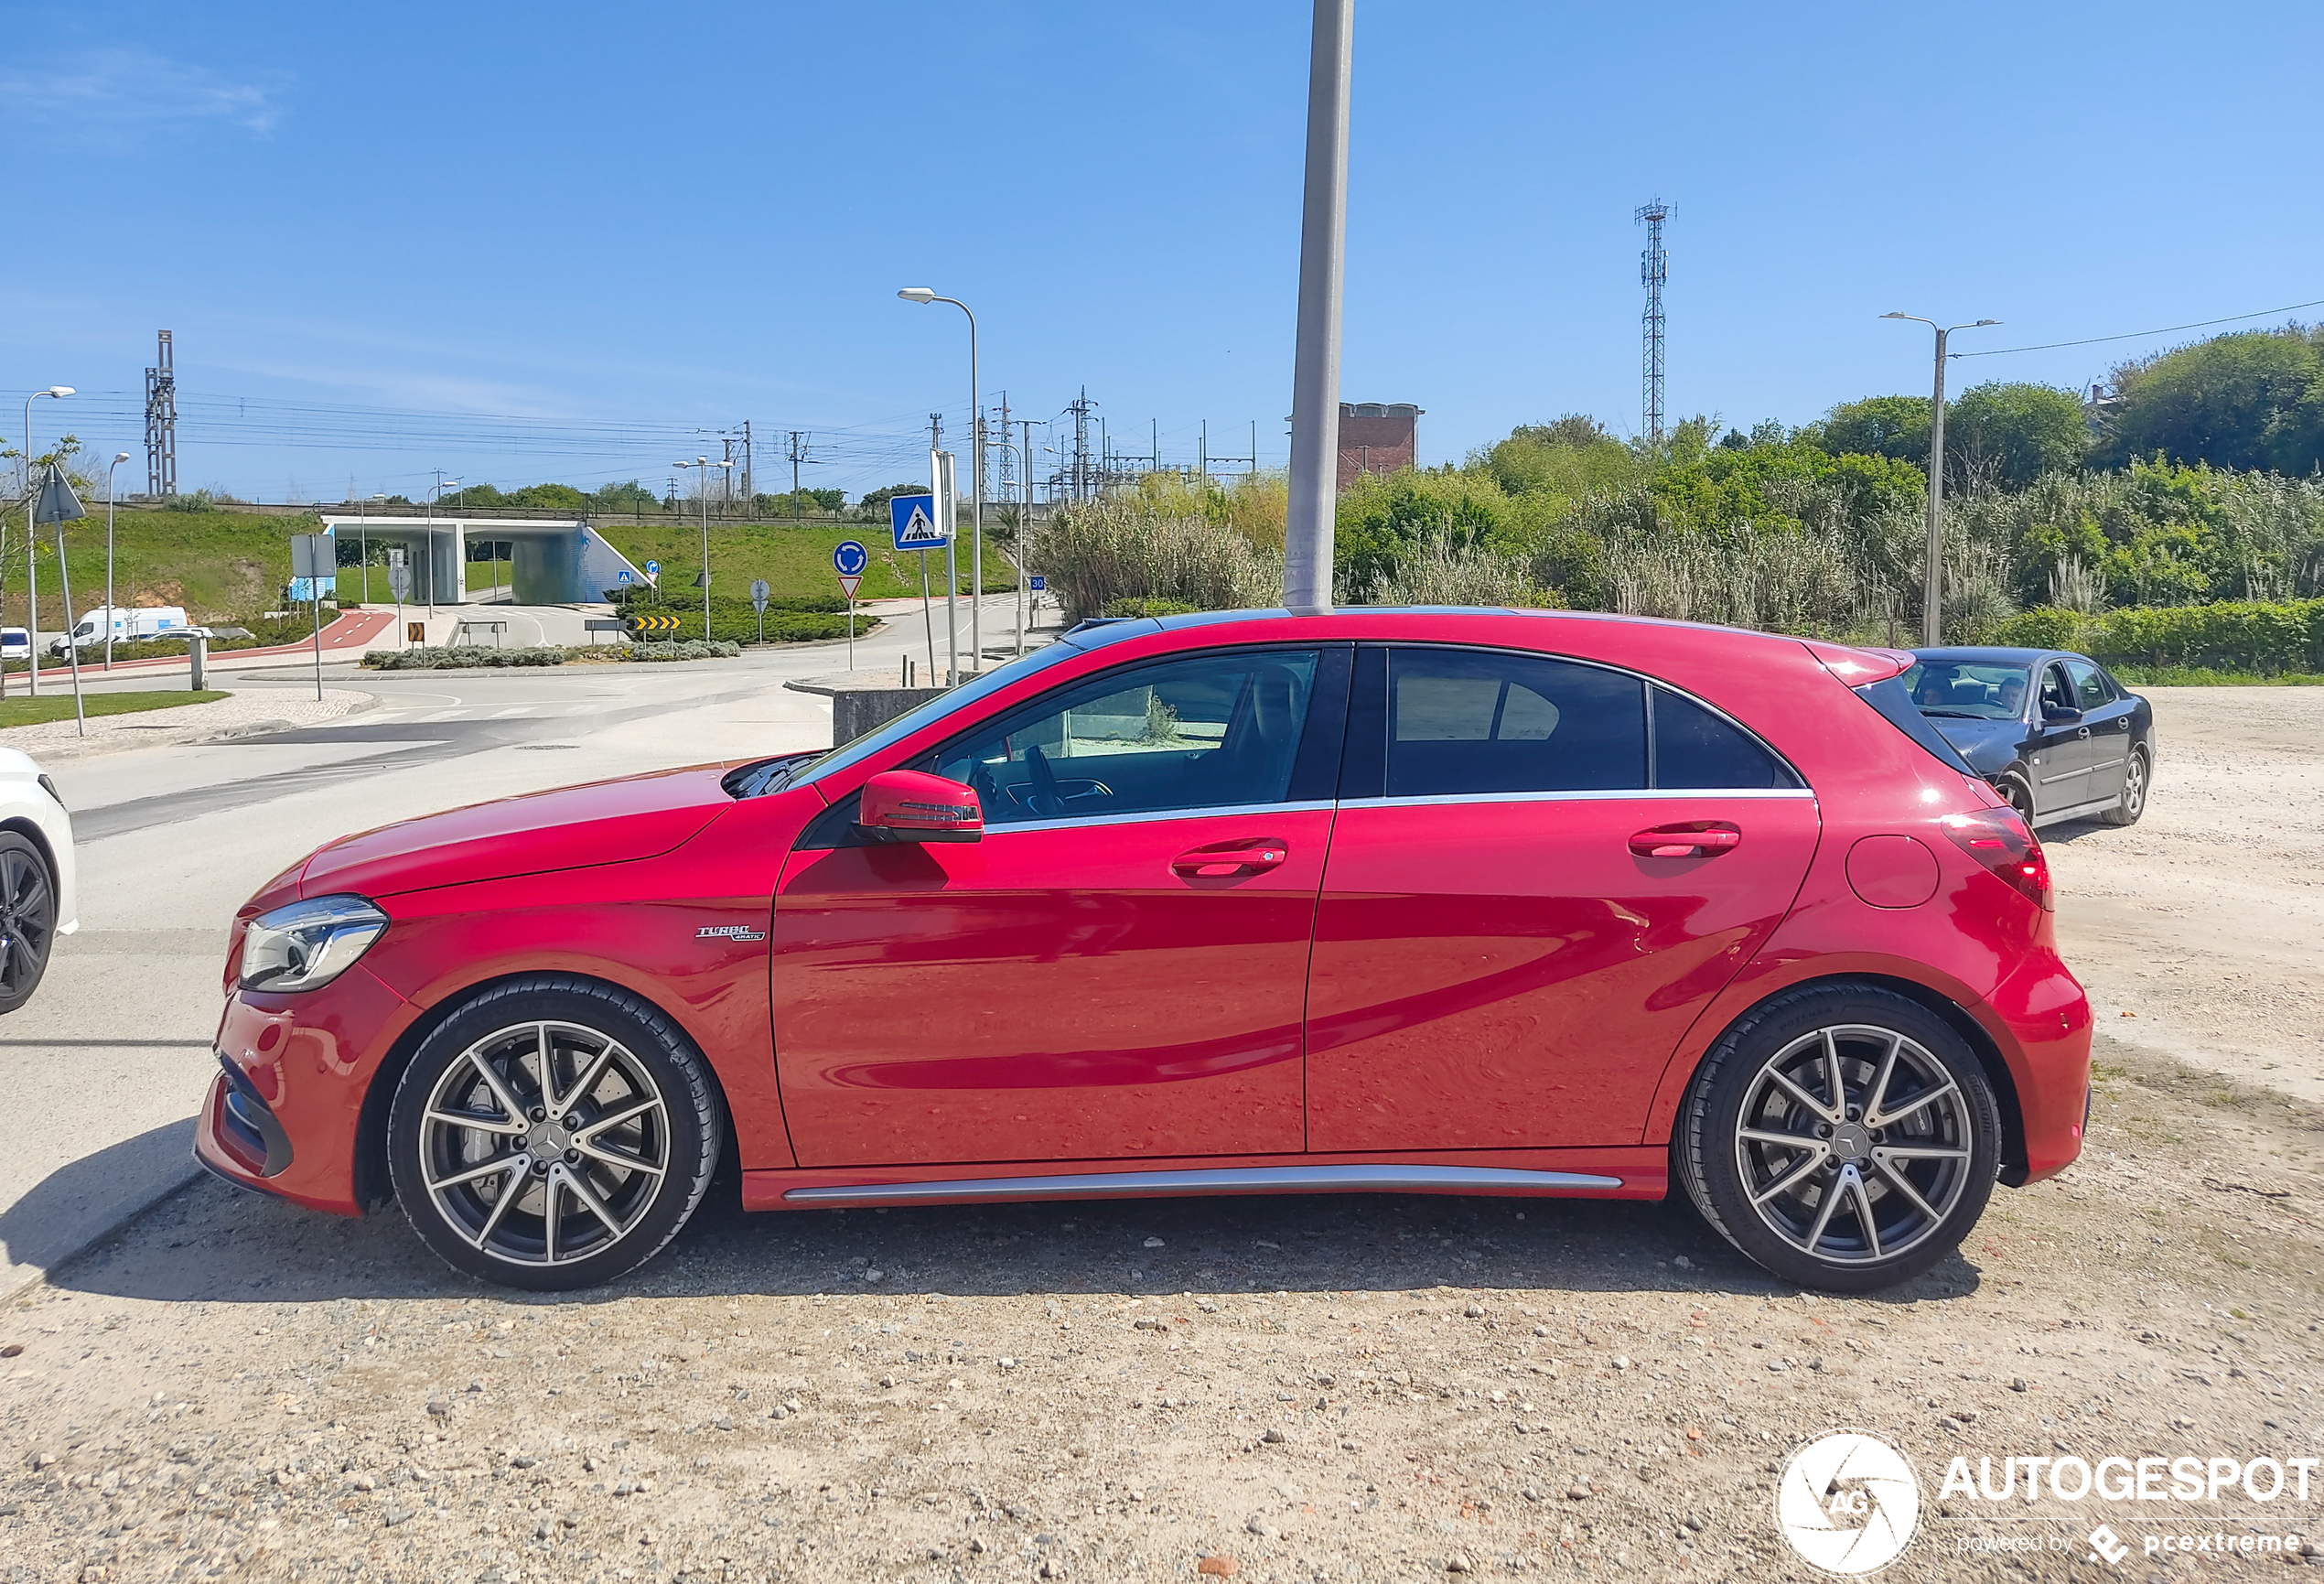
(924, 294)
(118, 458)
(1932, 595)
(704, 464)
(442, 484)
(363, 542)
(32, 550)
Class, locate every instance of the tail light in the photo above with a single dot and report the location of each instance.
(2000, 840)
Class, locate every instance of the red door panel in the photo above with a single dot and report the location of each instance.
(1515, 974)
(1079, 993)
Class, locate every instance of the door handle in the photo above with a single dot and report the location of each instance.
(1228, 859)
(1692, 839)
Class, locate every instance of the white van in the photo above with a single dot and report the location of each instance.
(129, 624)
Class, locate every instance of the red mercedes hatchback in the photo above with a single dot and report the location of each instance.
(1453, 901)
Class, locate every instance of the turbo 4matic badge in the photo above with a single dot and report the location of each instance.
(728, 933)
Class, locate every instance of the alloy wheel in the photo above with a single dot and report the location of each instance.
(2134, 786)
(27, 922)
(544, 1143)
(1854, 1144)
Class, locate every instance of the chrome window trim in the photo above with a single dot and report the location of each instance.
(1655, 794)
(1223, 811)
(1381, 1179)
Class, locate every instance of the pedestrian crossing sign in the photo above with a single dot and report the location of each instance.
(912, 521)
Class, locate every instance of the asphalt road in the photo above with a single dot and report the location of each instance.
(111, 1057)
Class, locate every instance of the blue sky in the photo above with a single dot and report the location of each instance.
(519, 241)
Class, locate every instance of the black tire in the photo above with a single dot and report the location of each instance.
(2139, 779)
(2015, 786)
(599, 1178)
(1945, 1145)
(27, 918)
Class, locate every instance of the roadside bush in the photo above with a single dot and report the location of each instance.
(463, 657)
(693, 650)
(1097, 552)
(1443, 568)
(1133, 606)
(2248, 636)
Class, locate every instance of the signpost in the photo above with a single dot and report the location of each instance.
(314, 556)
(759, 603)
(653, 573)
(59, 505)
(399, 579)
(912, 522)
(849, 558)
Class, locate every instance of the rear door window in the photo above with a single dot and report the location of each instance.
(1462, 721)
(2089, 685)
(1697, 750)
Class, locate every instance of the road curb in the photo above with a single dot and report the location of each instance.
(187, 1172)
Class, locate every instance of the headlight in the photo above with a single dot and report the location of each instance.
(309, 943)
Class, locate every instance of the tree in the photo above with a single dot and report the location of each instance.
(2013, 433)
(546, 498)
(628, 496)
(1576, 430)
(873, 508)
(1892, 427)
(2252, 399)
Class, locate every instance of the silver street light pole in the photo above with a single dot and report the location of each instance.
(118, 458)
(32, 550)
(976, 488)
(441, 485)
(1932, 592)
(1314, 375)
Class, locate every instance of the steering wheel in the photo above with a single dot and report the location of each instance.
(1046, 798)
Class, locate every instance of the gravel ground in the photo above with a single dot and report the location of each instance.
(244, 713)
(2200, 930)
(1313, 1388)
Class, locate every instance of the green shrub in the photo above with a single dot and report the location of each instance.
(463, 657)
(1132, 604)
(693, 650)
(1097, 552)
(2248, 636)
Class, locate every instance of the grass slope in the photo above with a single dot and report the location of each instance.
(231, 566)
(59, 706)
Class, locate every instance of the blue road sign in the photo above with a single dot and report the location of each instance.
(625, 575)
(1038, 584)
(653, 570)
(849, 558)
(912, 520)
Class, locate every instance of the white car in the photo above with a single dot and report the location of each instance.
(15, 643)
(38, 892)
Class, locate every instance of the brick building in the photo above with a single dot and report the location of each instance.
(1377, 437)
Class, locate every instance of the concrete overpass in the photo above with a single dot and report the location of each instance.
(553, 562)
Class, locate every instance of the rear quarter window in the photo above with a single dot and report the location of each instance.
(1894, 701)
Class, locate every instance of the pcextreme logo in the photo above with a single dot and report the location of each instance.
(1848, 1502)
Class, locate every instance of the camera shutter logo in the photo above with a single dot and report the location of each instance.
(1847, 1502)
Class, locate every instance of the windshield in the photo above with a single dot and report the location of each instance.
(1968, 689)
(942, 705)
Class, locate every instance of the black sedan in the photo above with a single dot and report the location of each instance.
(2060, 738)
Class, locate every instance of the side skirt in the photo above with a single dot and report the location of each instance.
(1609, 1173)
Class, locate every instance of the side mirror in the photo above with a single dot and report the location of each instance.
(909, 805)
(2053, 715)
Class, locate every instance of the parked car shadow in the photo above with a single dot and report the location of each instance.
(212, 1243)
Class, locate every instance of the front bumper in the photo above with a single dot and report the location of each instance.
(286, 1115)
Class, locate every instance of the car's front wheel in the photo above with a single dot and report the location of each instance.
(1843, 1136)
(552, 1133)
(2017, 789)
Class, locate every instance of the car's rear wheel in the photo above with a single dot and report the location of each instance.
(2139, 774)
(27, 919)
(552, 1133)
(1843, 1136)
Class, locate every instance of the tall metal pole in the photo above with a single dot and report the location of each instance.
(1315, 377)
(1025, 527)
(73, 649)
(1933, 597)
(32, 552)
(1932, 590)
(117, 461)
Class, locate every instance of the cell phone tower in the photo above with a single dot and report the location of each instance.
(161, 423)
(1654, 269)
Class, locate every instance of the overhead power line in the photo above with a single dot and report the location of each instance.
(2140, 335)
